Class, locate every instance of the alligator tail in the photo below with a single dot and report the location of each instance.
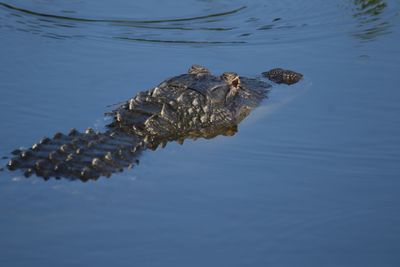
(76, 155)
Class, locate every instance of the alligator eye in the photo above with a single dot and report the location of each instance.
(235, 82)
(231, 78)
(198, 69)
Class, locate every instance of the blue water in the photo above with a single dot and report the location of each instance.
(312, 178)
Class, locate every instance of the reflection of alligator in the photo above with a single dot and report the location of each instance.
(197, 104)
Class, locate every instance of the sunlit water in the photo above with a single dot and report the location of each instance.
(310, 179)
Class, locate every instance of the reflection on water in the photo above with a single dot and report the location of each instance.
(238, 24)
(371, 22)
(369, 7)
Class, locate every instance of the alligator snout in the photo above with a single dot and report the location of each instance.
(279, 75)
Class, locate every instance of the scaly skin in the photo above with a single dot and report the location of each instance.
(192, 105)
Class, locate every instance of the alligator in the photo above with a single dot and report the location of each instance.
(193, 105)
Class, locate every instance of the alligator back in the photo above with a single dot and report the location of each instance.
(77, 155)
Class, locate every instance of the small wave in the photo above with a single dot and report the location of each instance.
(177, 41)
(130, 21)
(252, 23)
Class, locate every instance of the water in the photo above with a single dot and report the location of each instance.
(310, 179)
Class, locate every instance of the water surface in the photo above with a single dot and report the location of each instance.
(310, 179)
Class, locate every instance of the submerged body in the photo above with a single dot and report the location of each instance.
(191, 105)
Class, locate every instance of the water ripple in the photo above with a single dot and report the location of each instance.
(176, 41)
(225, 22)
(119, 20)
